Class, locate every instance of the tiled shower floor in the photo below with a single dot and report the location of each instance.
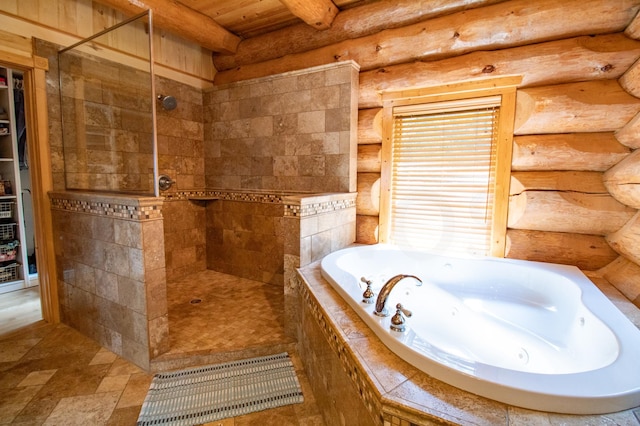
(217, 317)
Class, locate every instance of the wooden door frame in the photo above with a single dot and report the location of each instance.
(37, 124)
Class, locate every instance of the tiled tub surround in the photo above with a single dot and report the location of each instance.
(291, 132)
(314, 227)
(111, 271)
(337, 347)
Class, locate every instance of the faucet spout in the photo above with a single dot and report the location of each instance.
(380, 309)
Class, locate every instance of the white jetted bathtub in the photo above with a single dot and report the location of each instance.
(535, 335)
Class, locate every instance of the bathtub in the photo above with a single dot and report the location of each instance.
(535, 335)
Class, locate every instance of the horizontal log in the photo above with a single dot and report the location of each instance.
(370, 125)
(626, 241)
(587, 252)
(563, 61)
(369, 158)
(594, 106)
(368, 199)
(571, 151)
(585, 182)
(356, 22)
(366, 229)
(183, 21)
(319, 14)
(629, 135)
(623, 180)
(573, 212)
(624, 275)
(520, 22)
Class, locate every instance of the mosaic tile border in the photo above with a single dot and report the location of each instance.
(336, 342)
(291, 209)
(271, 198)
(115, 210)
(318, 208)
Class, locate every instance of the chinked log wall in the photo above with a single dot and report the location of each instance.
(575, 175)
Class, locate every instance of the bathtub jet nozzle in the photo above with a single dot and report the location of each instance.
(381, 310)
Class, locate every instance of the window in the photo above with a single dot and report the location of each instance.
(446, 165)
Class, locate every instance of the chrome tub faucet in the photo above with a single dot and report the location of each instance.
(381, 310)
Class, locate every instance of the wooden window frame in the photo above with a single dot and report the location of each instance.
(505, 87)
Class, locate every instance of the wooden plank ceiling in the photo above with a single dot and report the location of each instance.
(220, 25)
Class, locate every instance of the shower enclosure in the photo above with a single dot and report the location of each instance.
(107, 220)
(108, 109)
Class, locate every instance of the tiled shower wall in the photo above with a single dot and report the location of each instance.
(291, 132)
(287, 133)
(181, 136)
(181, 157)
(111, 271)
(245, 238)
(184, 237)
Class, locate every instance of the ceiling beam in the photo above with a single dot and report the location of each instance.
(317, 13)
(183, 21)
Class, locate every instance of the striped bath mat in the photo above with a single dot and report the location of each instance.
(205, 394)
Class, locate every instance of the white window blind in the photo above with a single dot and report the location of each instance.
(443, 175)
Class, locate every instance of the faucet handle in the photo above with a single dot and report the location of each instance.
(397, 320)
(368, 295)
(405, 311)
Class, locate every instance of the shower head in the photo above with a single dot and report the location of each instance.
(168, 102)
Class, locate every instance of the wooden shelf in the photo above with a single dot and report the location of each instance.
(10, 172)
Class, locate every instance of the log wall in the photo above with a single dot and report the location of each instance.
(577, 119)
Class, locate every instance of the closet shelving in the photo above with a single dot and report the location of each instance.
(14, 274)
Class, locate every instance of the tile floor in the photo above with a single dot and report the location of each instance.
(53, 375)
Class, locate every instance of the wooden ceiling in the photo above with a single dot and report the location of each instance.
(249, 18)
(220, 25)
